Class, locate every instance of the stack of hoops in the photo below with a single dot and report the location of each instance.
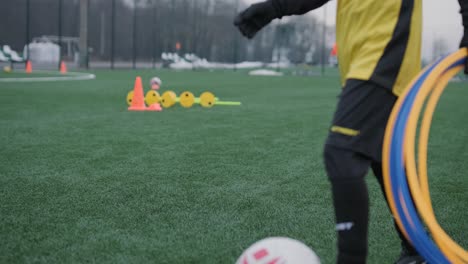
(406, 182)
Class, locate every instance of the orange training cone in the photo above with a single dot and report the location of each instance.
(28, 66)
(63, 67)
(154, 107)
(138, 101)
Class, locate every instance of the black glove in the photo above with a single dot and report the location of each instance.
(254, 18)
(464, 44)
(464, 13)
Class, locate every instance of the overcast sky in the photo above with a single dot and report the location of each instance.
(441, 20)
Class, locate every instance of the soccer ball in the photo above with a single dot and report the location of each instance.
(155, 83)
(7, 69)
(278, 250)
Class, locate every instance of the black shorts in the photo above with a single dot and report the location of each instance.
(361, 118)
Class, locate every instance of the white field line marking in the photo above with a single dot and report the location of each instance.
(70, 76)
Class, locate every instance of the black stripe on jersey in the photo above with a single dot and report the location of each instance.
(388, 67)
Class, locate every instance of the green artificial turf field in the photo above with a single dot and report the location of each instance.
(84, 180)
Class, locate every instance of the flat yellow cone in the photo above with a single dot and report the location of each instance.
(168, 99)
(173, 94)
(207, 99)
(152, 97)
(129, 98)
(187, 99)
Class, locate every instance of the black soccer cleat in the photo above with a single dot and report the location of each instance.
(409, 256)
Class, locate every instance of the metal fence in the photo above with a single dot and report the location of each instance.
(135, 33)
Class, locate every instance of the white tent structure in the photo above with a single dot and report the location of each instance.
(43, 52)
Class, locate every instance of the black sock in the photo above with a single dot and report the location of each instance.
(351, 202)
(346, 170)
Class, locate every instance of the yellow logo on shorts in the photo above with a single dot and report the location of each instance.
(345, 131)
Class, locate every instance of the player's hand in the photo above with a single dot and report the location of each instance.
(254, 18)
(464, 44)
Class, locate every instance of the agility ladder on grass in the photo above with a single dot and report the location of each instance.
(406, 181)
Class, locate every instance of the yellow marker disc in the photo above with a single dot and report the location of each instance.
(207, 99)
(129, 98)
(173, 94)
(168, 99)
(152, 97)
(187, 99)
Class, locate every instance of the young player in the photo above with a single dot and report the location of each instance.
(380, 47)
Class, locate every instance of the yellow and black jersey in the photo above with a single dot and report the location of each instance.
(379, 41)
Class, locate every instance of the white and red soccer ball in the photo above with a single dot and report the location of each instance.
(155, 83)
(278, 250)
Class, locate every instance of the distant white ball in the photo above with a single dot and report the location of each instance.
(156, 80)
(155, 83)
(278, 250)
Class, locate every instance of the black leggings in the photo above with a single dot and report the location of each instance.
(346, 170)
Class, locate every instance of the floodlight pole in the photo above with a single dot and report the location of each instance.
(112, 33)
(194, 29)
(195, 24)
(278, 44)
(84, 6)
(173, 33)
(236, 40)
(134, 33)
(324, 38)
(60, 2)
(28, 3)
(154, 33)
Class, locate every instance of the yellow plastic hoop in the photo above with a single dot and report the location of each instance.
(436, 83)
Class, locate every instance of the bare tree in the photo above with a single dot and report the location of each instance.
(203, 27)
(439, 48)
